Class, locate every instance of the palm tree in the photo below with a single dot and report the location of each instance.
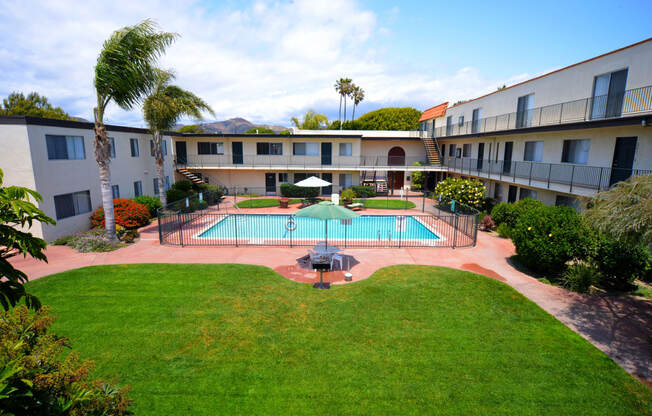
(162, 109)
(357, 95)
(341, 86)
(311, 121)
(124, 73)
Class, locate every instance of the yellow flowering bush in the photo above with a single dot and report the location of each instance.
(465, 191)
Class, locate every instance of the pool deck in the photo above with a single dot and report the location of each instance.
(619, 326)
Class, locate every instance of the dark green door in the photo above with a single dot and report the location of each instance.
(236, 148)
(182, 154)
(621, 167)
(326, 153)
(507, 160)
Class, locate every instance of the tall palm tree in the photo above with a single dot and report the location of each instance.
(163, 108)
(357, 95)
(342, 86)
(311, 121)
(124, 73)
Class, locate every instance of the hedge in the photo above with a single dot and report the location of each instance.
(292, 191)
(364, 191)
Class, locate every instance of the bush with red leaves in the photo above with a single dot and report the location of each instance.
(487, 223)
(127, 213)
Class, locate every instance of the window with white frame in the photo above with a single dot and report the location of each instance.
(138, 188)
(460, 121)
(112, 141)
(449, 125)
(346, 149)
(135, 151)
(115, 191)
(305, 149)
(533, 151)
(527, 193)
(210, 148)
(167, 183)
(65, 147)
(451, 150)
(346, 180)
(576, 151)
(155, 180)
(265, 148)
(466, 150)
(568, 201)
(69, 205)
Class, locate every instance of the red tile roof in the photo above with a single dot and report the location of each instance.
(434, 112)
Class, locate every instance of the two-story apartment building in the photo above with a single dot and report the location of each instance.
(262, 162)
(55, 158)
(558, 137)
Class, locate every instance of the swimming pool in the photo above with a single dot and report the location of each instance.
(264, 228)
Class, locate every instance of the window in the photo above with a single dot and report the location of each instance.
(527, 193)
(112, 141)
(533, 151)
(346, 179)
(460, 121)
(475, 126)
(283, 177)
(155, 180)
(210, 148)
(263, 148)
(466, 150)
(115, 190)
(524, 112)
(443, 149)
(135, 151)
(567, 201)
(167, 183)
(69, 205)
(306, 149)
(608, 94)
(65, 147)
(164, 145)
(138, 188)
(346, 149)
(449, 125)
(458, 153)
(451, 150)
(576, 151)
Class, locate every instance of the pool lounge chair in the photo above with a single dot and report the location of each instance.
(355, 207)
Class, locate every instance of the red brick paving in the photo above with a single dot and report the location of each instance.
(621, 327)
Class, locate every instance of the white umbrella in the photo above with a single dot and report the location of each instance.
(313, 182)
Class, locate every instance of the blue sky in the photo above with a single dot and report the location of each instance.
(270, 60)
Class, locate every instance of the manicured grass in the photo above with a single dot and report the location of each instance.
(263, 203)
(388, 204)
(410, 340)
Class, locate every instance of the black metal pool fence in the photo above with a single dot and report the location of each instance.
(186, 223)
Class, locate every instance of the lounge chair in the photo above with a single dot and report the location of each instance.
(355, 207)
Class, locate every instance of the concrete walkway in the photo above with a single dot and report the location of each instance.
(620, 327)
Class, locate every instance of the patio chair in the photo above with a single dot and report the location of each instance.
(337, 258)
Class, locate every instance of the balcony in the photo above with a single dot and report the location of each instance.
(560, 177)
(628, 103)
(308, 163)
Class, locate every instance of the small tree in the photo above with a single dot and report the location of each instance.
(35, 105)
(260, 130)
(465, 191)
(311, 121)
(418, 177)
(17, 213)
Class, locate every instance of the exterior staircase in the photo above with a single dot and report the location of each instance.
(432, 150)
(373, 178)
(190, 176)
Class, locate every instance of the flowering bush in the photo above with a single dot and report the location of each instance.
(487, 224)
(92, 241)
(128, 214)
(465, 191)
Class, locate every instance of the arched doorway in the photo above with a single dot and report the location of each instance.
(395, 157)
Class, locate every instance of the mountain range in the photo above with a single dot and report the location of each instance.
(234, 125)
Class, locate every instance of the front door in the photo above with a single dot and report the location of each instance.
(480, 155)
(182, 154)
(270, 183)
(507, 160)
(621, 168)
(395, 179)
(328, 177)
(236, 150)
(511, 194)
(326, 153)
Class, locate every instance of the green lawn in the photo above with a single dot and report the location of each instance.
(263, 203)
(410, 340)
(388, 203)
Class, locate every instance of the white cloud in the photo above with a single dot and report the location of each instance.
(265, 62)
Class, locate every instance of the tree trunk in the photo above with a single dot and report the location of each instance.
(344, 109)
(353, 115)
(102, 147)
(339, 114)
(158, 154)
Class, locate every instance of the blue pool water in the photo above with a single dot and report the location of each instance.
(273, 227)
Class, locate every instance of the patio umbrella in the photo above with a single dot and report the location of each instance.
(313, 182)
(325, 210)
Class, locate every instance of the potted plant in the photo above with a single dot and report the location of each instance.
(283, 202)
(347, 196)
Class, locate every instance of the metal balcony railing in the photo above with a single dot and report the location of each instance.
(627, 103)
(543, 175)
(302, 162)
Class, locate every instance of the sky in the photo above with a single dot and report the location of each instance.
(267, 61)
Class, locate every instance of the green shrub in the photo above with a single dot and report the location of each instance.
(620, 262)
(151, 202)
(62, 241)
(194, 204)
(509, 213)
(579, 277)
(212, 194)
(40, 377)
(93, 241)
(174, 195)
(347, 195)
(130, 236)
(546, 238)
(292, 191)
(500, 212)
(504, 230)
(465, 191)
(364, 191)
(185, 186)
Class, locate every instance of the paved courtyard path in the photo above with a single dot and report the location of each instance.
(621, 327)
